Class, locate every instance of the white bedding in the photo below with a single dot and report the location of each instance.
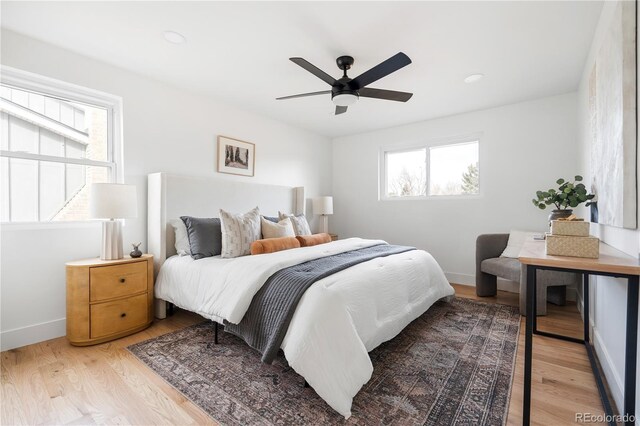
(338, 320)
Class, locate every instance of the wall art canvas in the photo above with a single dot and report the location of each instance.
(613, 125)
(236, 157)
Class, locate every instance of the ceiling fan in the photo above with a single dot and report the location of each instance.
(346, 91)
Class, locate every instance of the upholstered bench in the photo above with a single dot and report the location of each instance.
(490, 265)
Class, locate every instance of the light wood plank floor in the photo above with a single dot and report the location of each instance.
(55, 383)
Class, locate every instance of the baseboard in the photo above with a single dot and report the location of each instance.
(470, 280)
(18, 337)
(504, 285)
(612, 376)
(464, 279)
(615, 386)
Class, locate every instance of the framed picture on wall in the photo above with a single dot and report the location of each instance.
(236, 157)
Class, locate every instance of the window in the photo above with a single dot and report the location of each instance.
(52, 148)
(431, 171)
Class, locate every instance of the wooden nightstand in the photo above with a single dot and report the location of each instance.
(108, 299)
(334, 237)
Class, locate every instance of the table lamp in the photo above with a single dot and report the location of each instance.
(112, 201)
(323, 206)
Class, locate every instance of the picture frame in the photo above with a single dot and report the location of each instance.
(236, 157)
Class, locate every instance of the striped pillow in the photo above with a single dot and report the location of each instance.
(238, 232)
(299, 222)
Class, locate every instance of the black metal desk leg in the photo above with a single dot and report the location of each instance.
(535, 303)
(585, 305)
(528, 343)
(631, 349)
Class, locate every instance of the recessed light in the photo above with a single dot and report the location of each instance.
(473, 78)
(174, 37)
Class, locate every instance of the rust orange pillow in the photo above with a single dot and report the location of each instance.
(313, 240)
(272, 245)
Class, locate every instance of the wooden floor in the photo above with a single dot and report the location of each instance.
(55, 383)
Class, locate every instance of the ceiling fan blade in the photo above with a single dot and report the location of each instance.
(314, 70)
(302, 95)
(389, 95)
(383, 69)
(340, 109)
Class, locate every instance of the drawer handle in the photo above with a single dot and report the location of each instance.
(122, 280)
(122, 315)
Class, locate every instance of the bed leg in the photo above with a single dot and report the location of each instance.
(170, 310)
(215, 335)
(160, 309)
(306, 385)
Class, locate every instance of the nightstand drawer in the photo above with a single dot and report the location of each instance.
(117, 316)
(108, 282)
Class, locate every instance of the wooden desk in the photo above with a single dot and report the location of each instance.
(612, 263)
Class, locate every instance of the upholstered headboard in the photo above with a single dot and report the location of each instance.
(171, 196)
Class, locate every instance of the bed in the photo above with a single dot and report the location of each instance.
(338, 320)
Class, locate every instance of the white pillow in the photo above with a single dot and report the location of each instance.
(300, 224)
(182, 239)
(284, 228)
(516, 241)
(238, 232)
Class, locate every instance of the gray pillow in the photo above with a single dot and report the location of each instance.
(205, 236)
(271, 219)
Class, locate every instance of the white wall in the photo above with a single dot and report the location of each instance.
(165, 129)
(524, 147)
(608, 295)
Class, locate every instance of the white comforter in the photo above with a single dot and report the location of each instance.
(338, 320)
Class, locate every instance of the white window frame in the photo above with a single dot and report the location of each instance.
(50, 87)
(434, 143)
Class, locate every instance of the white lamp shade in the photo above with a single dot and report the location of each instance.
(113, 201)
(322, 205)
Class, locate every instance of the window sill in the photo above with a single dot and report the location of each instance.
(433, 198)
(30, 226)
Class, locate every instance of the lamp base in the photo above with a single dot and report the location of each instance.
(324, 224)
(111, 240)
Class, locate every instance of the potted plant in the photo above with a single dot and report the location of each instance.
(568, 196)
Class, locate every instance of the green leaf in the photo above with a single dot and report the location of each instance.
(582, 198)
(567, 190)
(580, 185)
(560, 181)
(563, 196)
(578, 178)
(591, 196)
(545, 194)
(542, 206)
(574, 203)
(552, 191)
(539, 194)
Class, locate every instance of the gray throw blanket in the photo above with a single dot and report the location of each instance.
(267, 320)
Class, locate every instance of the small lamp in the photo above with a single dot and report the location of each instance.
(324, 207)
(112, 201)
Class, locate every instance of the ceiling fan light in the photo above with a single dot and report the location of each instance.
(345, 99)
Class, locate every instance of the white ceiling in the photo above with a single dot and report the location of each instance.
(238, 52)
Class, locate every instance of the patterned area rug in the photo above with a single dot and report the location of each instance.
(453, 365)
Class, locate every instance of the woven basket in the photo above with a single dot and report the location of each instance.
(577, 228)
(562, 245)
